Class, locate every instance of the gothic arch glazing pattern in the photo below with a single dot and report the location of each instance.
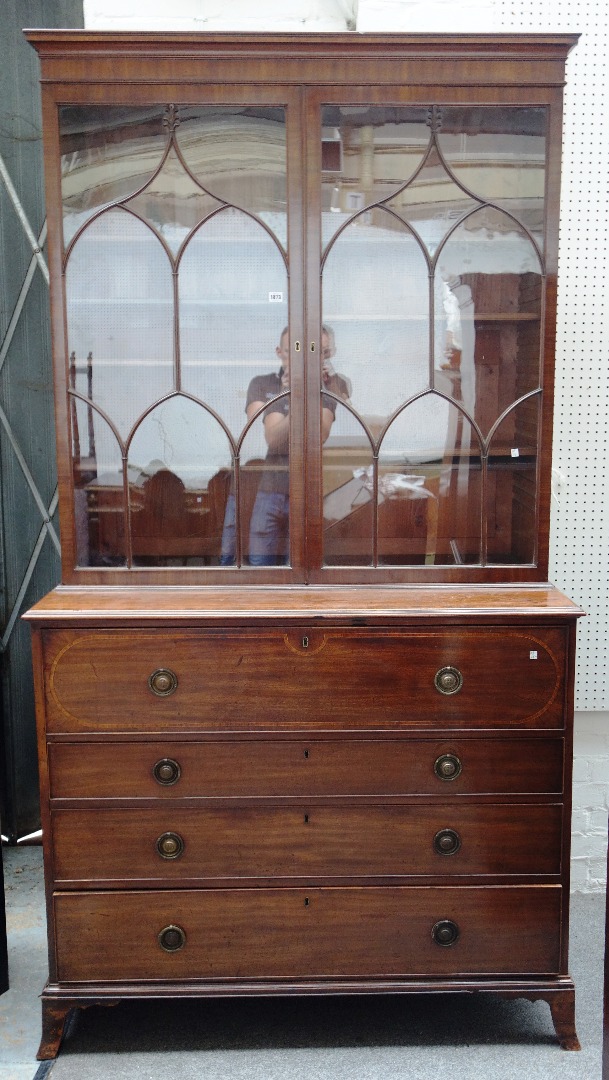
(175, 223)
(432, 277)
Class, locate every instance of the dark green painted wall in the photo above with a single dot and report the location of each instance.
(26, 400)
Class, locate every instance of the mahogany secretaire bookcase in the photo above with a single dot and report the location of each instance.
(305, 694)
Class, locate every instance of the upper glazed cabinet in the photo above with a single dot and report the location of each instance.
(305, 325)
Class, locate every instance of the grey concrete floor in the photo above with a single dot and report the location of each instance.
(354, 1038)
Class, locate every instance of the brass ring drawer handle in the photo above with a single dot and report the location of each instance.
(166, 772)
(448, 680)
(447, 842)
(163, 682)
(445, 932)
(172, 938)
(447, 767)
(170, 845)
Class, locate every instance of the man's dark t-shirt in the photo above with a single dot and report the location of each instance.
(264, 388)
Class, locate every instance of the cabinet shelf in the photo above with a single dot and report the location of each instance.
(507, 316)
(487, 317)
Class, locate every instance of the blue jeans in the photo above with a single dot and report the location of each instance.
(269, 535)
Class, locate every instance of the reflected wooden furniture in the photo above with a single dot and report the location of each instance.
(327, 777)
(164, 528)
(415, 518)
(168, 520)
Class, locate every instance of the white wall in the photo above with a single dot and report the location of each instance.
(271, 15)
(413, 16)
(580, 528)
(366, 16)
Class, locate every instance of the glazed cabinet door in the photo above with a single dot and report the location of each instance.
(428, 247)
(181, 242)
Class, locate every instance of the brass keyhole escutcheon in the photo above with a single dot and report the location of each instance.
(447, 842)
(170, 845)
(163, 682)
(447, 767)
(172, 938)
(448, 680)
(445, 932)
(166, 772)
(305, 643)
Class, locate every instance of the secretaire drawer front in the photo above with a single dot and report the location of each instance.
(336, 678)
(174, 844)
(296, 933)
(307, 767)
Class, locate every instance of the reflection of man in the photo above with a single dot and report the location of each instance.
(269, 531)
(330, 379)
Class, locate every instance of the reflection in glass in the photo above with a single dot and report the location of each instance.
(120, 310)
(256, 523)
(238, 155)
(99, 496)
(426, 483)
(335, 384)
(368, 152)
(447, 302)
(207, 183)
(512, 485)
(454, 338)
(107, 153)
(175, 457)
(347, 506)
(432, 202)
(233, 306)
(495, 277)
(499, 154)
(429, 487)
(375, 294)
(172, 202)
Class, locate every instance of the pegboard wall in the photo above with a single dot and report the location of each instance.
(580, 521)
